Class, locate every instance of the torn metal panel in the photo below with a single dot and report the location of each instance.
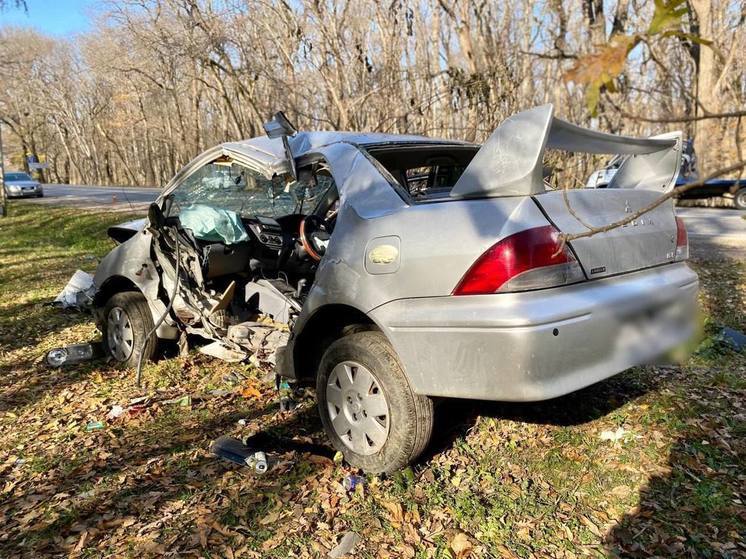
(265, 297)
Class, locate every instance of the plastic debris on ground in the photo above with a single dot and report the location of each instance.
(352, 482)
(94, 426)
(613, 436)
(73, 354)
(78, 293)
(115, 412)
(733, 338)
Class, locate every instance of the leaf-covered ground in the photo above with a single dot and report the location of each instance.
(650, 462)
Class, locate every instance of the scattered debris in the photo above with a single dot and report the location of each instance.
(287, 404)
(345, 545)
(235, 451)
(733, 338)
(94, 426)
(352, 481)
(223, 352)
(115, 412)
(183, 401)
(78, 293)
(73, 354)
(258, 461)
(613, 436)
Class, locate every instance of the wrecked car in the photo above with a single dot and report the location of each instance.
(401, 269)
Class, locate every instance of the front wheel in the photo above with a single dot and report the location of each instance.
(126, 322)
(740, 199)
(367, 406)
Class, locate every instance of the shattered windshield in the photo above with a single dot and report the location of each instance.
(226, 185)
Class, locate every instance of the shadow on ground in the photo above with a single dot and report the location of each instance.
(682, 514)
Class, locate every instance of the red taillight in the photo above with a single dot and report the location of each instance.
(682, 240)
(525, 260)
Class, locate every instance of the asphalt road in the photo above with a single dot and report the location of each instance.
(710, 229)
(98, 197)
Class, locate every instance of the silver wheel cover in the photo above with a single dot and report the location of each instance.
(119, 334)
(357, 408)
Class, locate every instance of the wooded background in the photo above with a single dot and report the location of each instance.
(158, 81)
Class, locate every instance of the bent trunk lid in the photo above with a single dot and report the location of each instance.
(647, 241)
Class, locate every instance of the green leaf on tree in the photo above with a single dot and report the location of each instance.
(667, 15)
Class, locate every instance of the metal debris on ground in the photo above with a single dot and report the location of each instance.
(346, 545)
(258, 462)
(235, 451)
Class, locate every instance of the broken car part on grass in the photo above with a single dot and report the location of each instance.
(388, 269)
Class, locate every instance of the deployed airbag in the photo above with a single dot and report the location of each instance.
(213, 224)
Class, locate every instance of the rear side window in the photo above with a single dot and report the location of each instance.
(425, 172)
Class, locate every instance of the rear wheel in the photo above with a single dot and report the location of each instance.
(740, 199)
(367, 407)
(126, 322)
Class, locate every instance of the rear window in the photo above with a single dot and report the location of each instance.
(425, 172)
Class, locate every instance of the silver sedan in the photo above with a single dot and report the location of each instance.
(21, 185)
(397, 269)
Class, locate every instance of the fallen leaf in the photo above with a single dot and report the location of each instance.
(461, 545)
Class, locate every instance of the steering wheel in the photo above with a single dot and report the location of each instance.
(314, 236)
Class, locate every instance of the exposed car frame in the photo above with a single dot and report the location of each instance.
(404, 303)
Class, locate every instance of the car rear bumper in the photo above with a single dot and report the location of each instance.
(537, 345)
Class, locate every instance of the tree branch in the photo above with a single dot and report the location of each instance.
(731, 114)
(569, 237)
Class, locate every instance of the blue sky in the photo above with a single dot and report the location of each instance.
(56, 17)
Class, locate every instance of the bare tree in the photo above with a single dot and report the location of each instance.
(156, 81)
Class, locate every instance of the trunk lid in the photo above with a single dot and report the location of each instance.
(648, 241)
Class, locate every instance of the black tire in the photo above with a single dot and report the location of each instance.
(40, 195)
(410, 420)
(134, 304)
(739, 200)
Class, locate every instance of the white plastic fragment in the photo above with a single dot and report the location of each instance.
(116, 411)
(613, 436)
(78, 292)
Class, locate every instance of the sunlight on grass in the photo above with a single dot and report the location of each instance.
(517, 480)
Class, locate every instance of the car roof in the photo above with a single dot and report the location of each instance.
(271, 150)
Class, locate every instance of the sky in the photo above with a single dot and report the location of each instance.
(55, 17)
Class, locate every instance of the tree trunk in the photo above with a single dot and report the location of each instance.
(706, 132)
